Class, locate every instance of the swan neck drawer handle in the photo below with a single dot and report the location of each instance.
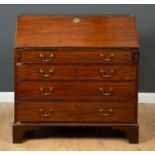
(106, 112)
(45, 93)
(46, 75)
(102, 73)
(107, 58)
(46, 58)
(46, 114)
(105, 92)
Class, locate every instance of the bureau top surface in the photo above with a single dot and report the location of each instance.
(76, 31)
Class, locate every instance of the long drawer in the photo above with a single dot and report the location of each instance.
(52, 72)
(61, 91)
(74, 111)
(77, 56)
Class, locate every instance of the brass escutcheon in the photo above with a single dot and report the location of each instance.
(76, 20)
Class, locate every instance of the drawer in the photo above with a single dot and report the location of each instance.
(75, 111)
(77, 56)
(78, 91)
(52, 72)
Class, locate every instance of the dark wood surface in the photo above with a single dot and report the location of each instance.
(61, 31)
(33, 72)
(74, 111)
(130, 129)
(100, 56)
(68, 91)
(68, 73)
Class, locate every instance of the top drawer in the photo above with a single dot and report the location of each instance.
(78, 56)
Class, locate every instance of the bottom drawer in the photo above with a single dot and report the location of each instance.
(81, 112)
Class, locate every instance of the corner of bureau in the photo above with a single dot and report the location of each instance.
(76, 71)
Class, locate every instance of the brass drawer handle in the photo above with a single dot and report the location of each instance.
(46, 114)
(102, 73)
(46, 58)
(46, 75)
(106, 93)
(106, 112)
(107, 58)
(44, 91)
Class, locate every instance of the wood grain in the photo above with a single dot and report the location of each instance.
(77, 138)
(61, 31)
(78, 56)
(31, 72)
(82, 73)
(82, 112)
(75, 91)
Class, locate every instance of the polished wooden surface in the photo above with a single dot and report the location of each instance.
(81, 91)
(89, 72)
(74, 111)
(30, 72)
(61, 31)
(100, 56)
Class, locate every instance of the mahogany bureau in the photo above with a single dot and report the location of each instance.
(76, 71)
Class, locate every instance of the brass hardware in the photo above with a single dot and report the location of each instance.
(102, 73)
(46, 114)
(26, 48)
(48, 58)
(107, 58)
(46, 75)
(18, 64)
(44, 91)
(106, 112)
(106, 93)
(76, 20)
(18, 123)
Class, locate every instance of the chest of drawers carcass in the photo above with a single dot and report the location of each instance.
(76, 71)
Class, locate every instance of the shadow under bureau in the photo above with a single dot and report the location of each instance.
(76, 71)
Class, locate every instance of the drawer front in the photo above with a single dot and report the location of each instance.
(82, 112)
(52, 72)
(98, 56)
(77, 91)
